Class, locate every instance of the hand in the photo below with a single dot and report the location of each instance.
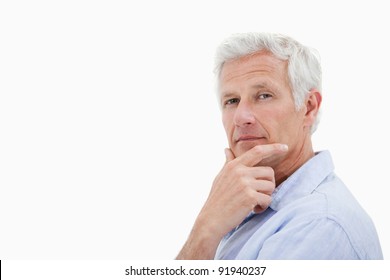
(239, 188)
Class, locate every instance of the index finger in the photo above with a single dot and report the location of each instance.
(260, 152)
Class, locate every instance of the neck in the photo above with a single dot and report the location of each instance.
(294, 160)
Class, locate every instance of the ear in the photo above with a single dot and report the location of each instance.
(312, 105)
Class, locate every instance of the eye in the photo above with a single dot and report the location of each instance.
(231, 101)
(263, 96)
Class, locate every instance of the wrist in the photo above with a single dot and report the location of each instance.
(202, 242)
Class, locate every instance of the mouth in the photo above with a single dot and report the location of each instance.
(248, 138)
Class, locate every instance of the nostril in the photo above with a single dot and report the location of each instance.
(244, 118)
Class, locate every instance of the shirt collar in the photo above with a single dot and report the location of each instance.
(303, 181)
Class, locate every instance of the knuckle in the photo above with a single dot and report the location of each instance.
(240, 171)
(272, 186)
(258, 149)
(252, 199)
(270, 171)
(247, 193)
(269, 188)
(230, 165)
(244, 183)
(267, 200)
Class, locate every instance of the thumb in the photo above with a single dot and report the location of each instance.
(229, 155)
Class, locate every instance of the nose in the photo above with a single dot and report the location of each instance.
(243, 115)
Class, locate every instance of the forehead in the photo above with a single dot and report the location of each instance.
(258, 65)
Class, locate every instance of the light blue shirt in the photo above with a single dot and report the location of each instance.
(312, 216)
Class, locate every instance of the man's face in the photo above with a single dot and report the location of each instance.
(258, 106)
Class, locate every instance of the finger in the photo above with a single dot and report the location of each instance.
(263, 203)
(262, 173)
(229, 155)
(260, 152)
(264, 186)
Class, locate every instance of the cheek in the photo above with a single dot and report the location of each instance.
(227, 122)
(229, 126)
(292, 126)
(281, 124)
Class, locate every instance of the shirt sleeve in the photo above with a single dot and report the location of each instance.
(318, 240)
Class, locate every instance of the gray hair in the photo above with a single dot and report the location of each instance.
(304, 68)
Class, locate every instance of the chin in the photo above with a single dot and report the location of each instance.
(243, 147)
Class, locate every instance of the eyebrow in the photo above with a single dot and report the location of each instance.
(227, 94)
(263, 85)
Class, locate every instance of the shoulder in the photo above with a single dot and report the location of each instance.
(333, 214)
(318, 238)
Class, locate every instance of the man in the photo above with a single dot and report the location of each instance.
(275, 198)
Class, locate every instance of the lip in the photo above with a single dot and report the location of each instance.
(247, 138)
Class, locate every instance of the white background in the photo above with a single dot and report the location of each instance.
(110, 133)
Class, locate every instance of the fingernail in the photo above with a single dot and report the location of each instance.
(284, 147)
